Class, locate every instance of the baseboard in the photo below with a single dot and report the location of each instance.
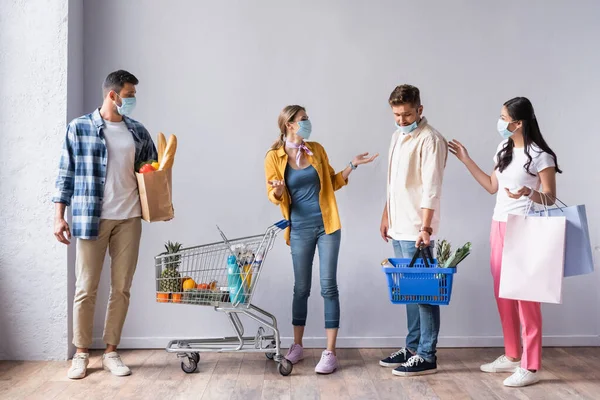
(379, 342)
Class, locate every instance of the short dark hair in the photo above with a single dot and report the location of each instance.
(116, 80)
(405, 94)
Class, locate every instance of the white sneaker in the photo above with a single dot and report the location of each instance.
(112, 362)
(79, 366)
(522, 377)
(501, 364)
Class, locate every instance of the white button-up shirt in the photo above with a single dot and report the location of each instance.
(416, 169)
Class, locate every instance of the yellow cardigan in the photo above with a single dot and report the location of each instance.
(275, 164)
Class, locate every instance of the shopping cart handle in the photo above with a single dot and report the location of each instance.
(283, 224)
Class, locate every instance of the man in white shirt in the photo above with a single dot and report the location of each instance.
(411, 217)
(97, 181)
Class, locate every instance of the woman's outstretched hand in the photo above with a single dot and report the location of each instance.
(363, 159)
(458, 150)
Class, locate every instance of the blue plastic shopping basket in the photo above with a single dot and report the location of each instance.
(418, 280)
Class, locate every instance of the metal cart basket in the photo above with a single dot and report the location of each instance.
(222, 275)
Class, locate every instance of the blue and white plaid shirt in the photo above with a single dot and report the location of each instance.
(82, 170)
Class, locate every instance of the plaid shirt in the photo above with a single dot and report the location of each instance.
(82, 170)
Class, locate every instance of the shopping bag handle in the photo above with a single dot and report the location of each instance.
(545, 203)
(425, 253)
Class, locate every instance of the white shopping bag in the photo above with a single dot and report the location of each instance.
(533, 258)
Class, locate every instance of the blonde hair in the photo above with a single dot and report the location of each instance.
(286, 115)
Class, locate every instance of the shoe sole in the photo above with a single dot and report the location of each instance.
(327, 372)
(115, 374)
(499, 370)
(521, 385)
(389, 365)
(76, 377)
(420, 373)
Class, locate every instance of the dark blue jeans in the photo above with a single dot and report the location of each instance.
(304, 242)
(423, 319)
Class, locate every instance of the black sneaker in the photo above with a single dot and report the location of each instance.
(416, 366)
(396, 359)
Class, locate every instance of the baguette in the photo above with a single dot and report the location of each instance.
(169, 156)
(162, 144)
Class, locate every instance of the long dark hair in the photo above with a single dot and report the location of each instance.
(521, 109)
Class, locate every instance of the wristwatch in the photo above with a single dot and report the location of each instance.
(352, 166)
(426, 229)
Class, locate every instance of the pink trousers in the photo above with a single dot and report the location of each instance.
(516, 314)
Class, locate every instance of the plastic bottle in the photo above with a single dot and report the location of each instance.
(258, 260)
(236, 291)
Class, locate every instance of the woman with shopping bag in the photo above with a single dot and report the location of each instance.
(524, 171)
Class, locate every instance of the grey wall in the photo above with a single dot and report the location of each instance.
(33, 112)
(75, 108)
(217, 74)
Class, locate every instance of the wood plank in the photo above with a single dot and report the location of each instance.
(469, 383)
(194, 385)
(390, 389)
(34, 377)
(418, 387)
(277, 389)
(304, 385)
(333, 386)
(250, 380)
(574, 372)
(224, 378)
(371, 358)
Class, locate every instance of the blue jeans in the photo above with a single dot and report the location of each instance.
(423, 319)
(303, 243)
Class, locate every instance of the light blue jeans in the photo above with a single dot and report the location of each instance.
(423, 319)
(304, 242)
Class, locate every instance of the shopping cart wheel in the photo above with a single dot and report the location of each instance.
(196, 357)
(285, 367)
(190, 366)
(271, 345)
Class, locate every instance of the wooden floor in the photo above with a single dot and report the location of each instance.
(569, 373)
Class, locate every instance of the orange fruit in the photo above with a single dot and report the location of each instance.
(162, 297)
(176, 298)
(189, 284)
(203, 286)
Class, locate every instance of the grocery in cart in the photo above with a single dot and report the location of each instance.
(221, 275)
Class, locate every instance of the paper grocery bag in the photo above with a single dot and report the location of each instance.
(578, 248)
(533, 258)
(156, 195)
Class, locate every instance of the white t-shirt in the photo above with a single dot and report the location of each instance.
(515, 176)
(121, 196)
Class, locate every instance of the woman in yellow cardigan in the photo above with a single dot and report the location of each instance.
(302, 183)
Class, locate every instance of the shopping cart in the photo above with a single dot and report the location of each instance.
(222, 275)
(419, 280)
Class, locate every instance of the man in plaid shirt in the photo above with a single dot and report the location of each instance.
(97, 181)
